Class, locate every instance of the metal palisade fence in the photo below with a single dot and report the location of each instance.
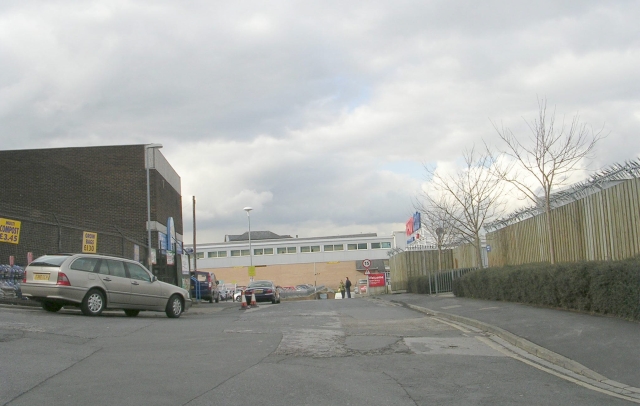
(436, 282)
(41, 232)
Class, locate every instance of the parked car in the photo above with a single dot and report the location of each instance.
(204, 286)
(264, 291)
(237, 295)
(98, 282)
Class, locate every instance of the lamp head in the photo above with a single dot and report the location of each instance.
(248, 209)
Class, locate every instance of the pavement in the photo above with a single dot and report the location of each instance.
(602, 349)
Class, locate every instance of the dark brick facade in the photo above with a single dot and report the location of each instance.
(58, 193)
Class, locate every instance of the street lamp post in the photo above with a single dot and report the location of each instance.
(147, 165)
(248, 209)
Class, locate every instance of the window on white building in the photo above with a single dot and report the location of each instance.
(334, 247)
(311, 248)
(287, 250)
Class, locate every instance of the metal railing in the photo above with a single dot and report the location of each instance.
(438, 281)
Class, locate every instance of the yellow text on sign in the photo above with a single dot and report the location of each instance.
(252, 271)
(89, 242)
(9, 231)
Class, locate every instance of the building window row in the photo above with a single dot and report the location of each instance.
(216, 254)
(294, 250)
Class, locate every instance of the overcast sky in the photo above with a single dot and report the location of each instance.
(320, 115)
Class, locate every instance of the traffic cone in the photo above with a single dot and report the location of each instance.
(243, 305)
(253, 300)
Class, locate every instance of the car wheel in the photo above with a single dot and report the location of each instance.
(93, 303)
(174, 307)
(131, 312)
(211, 300)
(51, 306)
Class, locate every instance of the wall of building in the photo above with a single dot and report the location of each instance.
(325, 274)
(58, 193)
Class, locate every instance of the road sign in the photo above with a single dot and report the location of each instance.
(366, 263)
(367, 272)
(376, 280)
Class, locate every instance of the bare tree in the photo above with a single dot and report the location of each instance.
(437, 225)
(468, 198)
(545, 159)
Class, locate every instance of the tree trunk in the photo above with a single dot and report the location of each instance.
(479, 252)
(552, 245)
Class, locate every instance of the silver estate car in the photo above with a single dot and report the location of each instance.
(98, 282)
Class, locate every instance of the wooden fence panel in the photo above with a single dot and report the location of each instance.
(601, 226)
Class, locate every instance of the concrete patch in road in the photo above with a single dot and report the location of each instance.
(450, 346)
(369, 343)
(312, 343)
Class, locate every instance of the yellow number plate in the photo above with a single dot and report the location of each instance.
(40, 276)
(257, 291)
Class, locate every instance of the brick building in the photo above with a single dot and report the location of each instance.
(58, 194)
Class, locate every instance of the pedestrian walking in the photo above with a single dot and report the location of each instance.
(341, 288)
(347, 286)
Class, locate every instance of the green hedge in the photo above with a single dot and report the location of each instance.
(611, 287)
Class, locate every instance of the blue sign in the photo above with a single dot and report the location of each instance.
(488, 248)
(171, 232)
(416, 221)
(162, 241)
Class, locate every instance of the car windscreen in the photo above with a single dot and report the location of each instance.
(260, 285)
(50, 260)
(202, 277)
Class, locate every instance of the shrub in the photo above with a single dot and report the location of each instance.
(606, 287)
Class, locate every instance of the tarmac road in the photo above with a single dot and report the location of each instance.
(365, 351)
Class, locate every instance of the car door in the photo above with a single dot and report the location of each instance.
(115, 280)
(144, 292)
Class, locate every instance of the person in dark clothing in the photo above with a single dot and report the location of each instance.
(347, 286)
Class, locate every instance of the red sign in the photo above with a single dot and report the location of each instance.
(376, 280)
(409, 227)
(12, 260)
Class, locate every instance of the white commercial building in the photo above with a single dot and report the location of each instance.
(292, 260)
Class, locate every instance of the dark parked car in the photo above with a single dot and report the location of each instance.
(204, 286)
(264, 290)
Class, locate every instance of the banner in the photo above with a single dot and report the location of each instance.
(89, 242)
(376, 280)
(9, 231)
